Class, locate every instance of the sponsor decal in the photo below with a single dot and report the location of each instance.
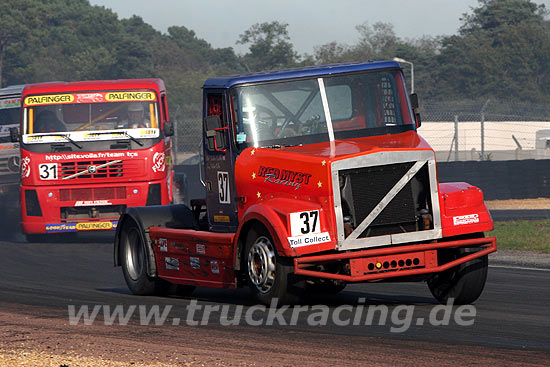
(90, 97)
(307, 240)
(25, 167)
(214, 267)
(8, 146)
(93, 226)
(284, 177)
(82, 226)
(195, 262)
(35, 138)
(221, 218)
(201, 249)
(91, 155)
(61, 227)
(130, 96)
(49, 99)
(147, 132)
(92, 202)
(159, 164)
(163, 245)
(465, 219)
(172, 263)
(10, 103)
(90, 135)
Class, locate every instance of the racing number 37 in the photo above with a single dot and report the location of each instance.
(223, 187)
(303, 223)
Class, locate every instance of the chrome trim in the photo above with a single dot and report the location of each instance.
(88, 172)
(379, 159)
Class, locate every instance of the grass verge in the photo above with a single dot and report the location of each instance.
(526, 235)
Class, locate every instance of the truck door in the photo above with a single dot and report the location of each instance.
(219, 164)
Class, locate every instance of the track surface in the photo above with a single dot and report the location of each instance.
(512, 322)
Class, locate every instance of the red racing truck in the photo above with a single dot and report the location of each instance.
(315, 178)
(89, 150)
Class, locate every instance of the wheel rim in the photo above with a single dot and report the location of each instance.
(134, 254)
(262, 264)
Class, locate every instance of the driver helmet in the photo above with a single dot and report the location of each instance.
(249, 113)
(135, 107)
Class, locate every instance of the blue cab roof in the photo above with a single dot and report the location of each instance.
(311, 71)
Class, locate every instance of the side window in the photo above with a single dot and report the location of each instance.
(215, 106)
(215, 123)
(163, 109)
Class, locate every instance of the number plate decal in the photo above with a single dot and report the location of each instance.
(48, 171)
(302, 223)
(223, 188)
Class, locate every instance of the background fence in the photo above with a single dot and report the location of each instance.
(457, 130)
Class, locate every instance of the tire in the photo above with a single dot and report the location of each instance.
(270, 276)
(464, 282)
(134, 263)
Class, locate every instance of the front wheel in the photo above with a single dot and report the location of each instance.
(464, 282)
(270, 277)
(134, 263)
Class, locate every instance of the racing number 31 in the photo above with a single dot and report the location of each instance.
(48, 171)
(223, 187)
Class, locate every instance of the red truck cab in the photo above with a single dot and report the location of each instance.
(315, 178)
(91, 149)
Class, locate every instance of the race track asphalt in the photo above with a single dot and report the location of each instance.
(512, 314)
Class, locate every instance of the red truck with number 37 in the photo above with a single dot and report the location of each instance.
(315, 178)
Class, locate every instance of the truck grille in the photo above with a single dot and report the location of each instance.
(112, 171)
(369, 185)
(98, 193)
(97, 212)
(386, 198)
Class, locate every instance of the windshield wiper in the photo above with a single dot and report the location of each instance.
(125, 133)
(66, 136)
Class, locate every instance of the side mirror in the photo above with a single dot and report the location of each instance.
(418, 119)
(168, 128)
(14, 134)
(414, 100)
(216, 135)
(414, 105)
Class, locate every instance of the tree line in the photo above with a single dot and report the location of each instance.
(501, 51)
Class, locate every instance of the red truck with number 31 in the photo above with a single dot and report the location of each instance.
(89, 150)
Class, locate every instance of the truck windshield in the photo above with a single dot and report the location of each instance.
(90, 116)
(9, 117)
(307, 111)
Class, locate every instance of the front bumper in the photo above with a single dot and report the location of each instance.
(48, 217)
(393, 262)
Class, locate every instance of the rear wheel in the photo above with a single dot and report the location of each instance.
(270, 276)
(134, 263)
(464, 282)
